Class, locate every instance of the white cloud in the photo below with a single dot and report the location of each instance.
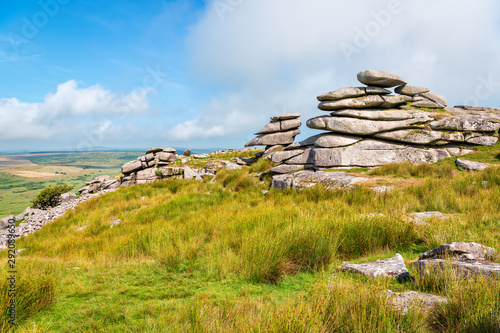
(276, 55)
(67, 111)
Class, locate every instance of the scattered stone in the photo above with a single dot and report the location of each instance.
(265, 192)
(116, 222)
(187, 153)
(424, 302)
(394, 267)
(154, 150)
(6, 220)
(460, 251)
(287, 168)
(65, 197)
(19, 251)
(478, 108)
(471, 165)
(381, 189)
(380, 78)
(81, 228)
(421, 217)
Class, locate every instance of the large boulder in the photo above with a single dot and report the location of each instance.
(394, 267)
(6, 220)
(380, 78)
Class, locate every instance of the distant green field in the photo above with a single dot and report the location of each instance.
(19, 184)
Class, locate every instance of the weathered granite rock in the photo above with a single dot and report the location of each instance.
(307, 179)
(286, 116)
(402, 302)
(471, 165)
(287, 168)
(394, 267)
(421, 217)
(478, 108)
(436, 98)
(154, 150)
(460, 251)
(482, 123)
(463, 259)
(167, 157)
(380, 78)
(65, 197)
(5, 221)
(146, 176)
(285, 155)
(349, 92)
(29, 213)
(357, 126)
(462, 269)
(421, 136)
(280, 126)
(392, 101)
(352, 103)
(281, 138)
(130, 167)
(425, 103)
(369, 153)
(410, 90)
(483, 140)
(377, 114)
(334, 140)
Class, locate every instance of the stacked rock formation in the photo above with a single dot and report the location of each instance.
(150, 167)
(280, 132)
(368, 126)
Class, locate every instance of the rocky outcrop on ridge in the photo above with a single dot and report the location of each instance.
(33, 219)
(155, 165)
(369, 126)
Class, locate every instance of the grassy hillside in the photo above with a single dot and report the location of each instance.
(224, 257)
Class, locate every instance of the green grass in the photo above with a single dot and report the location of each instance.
(223, 257)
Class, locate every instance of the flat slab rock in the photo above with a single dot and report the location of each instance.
(307, 179)
(394, 267)
(402, 302)
(471, 165)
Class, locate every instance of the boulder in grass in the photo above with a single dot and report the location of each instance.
(394, 267)
(402, 302)
(471, 165)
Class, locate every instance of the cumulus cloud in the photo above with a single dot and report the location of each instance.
(275, 55)
(70, 109)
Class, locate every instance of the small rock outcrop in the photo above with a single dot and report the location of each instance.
(369, 126)
(394, 267)
(280, 132)
(464, 259)
(99, 184)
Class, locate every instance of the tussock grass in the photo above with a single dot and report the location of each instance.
(407, 169)
(223, 257)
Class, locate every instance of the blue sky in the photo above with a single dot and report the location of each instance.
(78, 75)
